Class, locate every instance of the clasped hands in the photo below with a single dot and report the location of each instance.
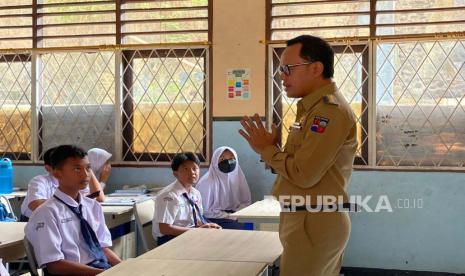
(256, 134)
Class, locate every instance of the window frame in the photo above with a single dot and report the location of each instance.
(119, 49)
(276, 110)
(369, 88)
(13, 155)
(128, 104)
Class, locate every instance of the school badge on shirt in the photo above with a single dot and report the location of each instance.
(319, 124)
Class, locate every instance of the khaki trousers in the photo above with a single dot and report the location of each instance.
(313, 243)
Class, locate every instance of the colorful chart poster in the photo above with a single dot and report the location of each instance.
(238, 83)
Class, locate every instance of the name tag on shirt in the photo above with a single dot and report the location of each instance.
(296, 126)
(65, 220)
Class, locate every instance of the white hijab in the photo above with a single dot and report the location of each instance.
(98, 158)
(223, 191)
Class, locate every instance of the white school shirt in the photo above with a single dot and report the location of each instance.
(171, 207)
(3, 271)
(55, 231)
(41, 187)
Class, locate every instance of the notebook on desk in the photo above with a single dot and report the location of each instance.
(124, 200)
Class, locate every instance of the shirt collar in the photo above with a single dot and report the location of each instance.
(67, 199)
(180, 188)
(311, 99)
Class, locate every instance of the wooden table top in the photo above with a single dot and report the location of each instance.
(263, 209)
(146, 267)
(11, 233)
(221, 245)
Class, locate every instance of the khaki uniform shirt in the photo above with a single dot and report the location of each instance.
(319, 153)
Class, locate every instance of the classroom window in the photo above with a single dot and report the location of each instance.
(351, 77)
(76, 100)
(127, 76)
(164, 103)
(420, 114)
(405, 83)
(15, 106)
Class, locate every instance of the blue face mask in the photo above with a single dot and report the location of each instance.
(227, 165)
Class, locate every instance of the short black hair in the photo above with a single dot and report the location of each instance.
(316, 49)
(182, 157)
(48, 156)
(61, 153)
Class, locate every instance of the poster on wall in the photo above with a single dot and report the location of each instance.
(238, 83)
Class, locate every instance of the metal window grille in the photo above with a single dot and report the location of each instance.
(80, 71)
(77, 100)
(351, 76)
(15, 106)
(165, 104)
(411, 87)
(420, 90)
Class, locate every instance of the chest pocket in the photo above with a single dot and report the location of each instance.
(294, 140)
(297, 135)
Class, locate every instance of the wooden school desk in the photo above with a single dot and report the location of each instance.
(11, 240)
(221, 245)
(125, 245)
(15, 195)
(146, 267)
(117, 215)
(264, 214)
(16, 198)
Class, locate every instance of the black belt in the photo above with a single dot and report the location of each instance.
(351, 207)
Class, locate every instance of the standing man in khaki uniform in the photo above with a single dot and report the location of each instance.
(316, 161)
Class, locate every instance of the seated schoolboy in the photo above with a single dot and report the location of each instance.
(178, 207)
(68, 231)
(42, 187)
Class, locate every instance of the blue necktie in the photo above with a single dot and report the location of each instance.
(194, 208)
(90, 238)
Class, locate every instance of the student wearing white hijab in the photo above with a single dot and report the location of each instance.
(224, 189)
(100, 164)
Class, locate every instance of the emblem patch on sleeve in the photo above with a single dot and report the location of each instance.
(167, 199)
(319, 124)
(40, 225)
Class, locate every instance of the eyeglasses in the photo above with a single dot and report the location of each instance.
(286, 69)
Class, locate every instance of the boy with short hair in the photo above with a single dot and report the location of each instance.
(42, 187)
(178, 207)
(68, 231)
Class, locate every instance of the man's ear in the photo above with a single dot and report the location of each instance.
(318, 68)
(175, 174)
